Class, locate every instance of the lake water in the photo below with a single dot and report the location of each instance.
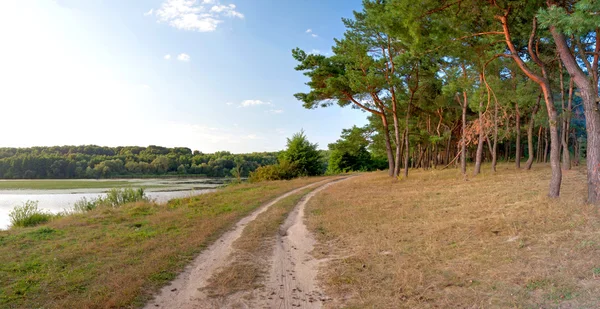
(54, 201)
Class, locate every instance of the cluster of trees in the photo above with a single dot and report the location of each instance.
(105, 162)
(301, 158)
(351, 152)
(457, 80)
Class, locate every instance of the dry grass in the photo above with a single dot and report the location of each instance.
(117, 258)
(436, 241)
(252, 250)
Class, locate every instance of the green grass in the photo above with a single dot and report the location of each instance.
(118, 257)
(51, 184)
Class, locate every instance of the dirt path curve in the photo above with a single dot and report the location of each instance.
(292, 278)
(186, 290)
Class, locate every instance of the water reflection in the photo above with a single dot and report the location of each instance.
(58, 200)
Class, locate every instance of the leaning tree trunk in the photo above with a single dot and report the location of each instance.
(592, 118)
(518, 128)
(589, 93)
(542, 80)
(530, 133)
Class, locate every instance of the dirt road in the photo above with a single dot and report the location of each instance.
(291, 282)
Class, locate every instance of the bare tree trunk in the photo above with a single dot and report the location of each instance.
(406, 140)
(545, 145)
(539, 145)
(542, 80)
(463, 141)
(480, 141)
(495, 147)
(530, 133)
(448, 146)
(565, 129)
(388, 146)
(518, 143)
(588, 88)
(398, 143)
(577, 151)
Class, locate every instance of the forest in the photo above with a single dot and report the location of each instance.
(106, 162)
(450, 82)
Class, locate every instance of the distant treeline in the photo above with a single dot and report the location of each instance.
(92, 161)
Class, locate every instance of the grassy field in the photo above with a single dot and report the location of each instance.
(56, 184)
(117, 258)
(437, 241)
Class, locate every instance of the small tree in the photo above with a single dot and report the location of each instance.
(303, 155)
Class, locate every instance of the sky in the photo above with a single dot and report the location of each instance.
(210, 75)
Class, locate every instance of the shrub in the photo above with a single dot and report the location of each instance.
(281, 171)
(84, 205)
(117, 197)
(28, 215)
(114, 198)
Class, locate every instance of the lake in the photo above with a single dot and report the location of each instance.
(57, 200)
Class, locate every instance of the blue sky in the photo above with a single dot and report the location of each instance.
(206, 74)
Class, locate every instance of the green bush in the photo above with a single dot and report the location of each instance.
(117, 197)
(282, 171)
(114, 198)
(84, 205)
(28, 215)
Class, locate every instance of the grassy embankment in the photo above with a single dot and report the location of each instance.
(57, 184)
(436, 241)
(118, 257)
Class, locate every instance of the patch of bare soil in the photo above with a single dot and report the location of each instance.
(293, 272)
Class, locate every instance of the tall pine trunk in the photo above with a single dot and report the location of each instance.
(480, 140)
(398, 143)
(388, 146)
(530, 133)
(588, 88)
(406, 140)
(518, 143)
(542, 80)
(556, 179)
(565, 129)
(463, 138)
(495, 146)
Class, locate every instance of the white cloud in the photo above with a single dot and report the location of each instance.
(315, 52)
(149, 12)
(275, 111)
(310, 31)
(248, 103)
(193, 15)
(228, 103)
(183, 57)
(167, 57)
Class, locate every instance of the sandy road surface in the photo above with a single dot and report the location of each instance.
(291, 280)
